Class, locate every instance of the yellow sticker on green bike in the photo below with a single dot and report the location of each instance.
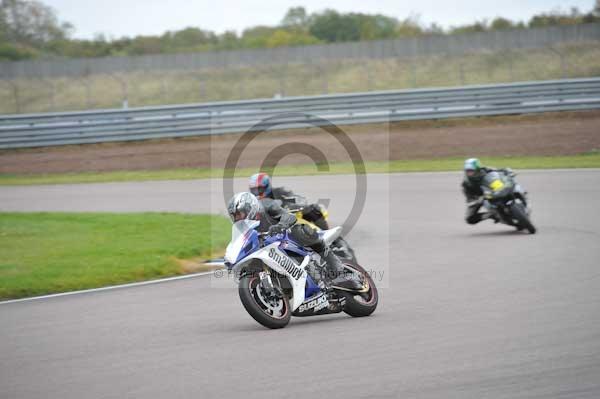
(496, 185)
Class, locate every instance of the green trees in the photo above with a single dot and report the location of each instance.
(30, 29)
(332, 26)
(296, 18)
(500, 23)
(31, 22)
(282, 37)
(26, 27)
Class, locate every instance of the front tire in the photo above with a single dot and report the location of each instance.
(360, 304)
(264, 311)
(518, 212)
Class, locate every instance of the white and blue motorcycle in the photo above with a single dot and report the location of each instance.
(278, 279)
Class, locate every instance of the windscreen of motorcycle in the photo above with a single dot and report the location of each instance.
(496, 182)
(240, 234)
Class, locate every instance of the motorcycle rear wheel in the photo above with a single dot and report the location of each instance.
(363, 304)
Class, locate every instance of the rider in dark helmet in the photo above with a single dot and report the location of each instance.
(274, 220)
(471, 186)
(260, 186)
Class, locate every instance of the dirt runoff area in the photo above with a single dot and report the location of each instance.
(565, 133)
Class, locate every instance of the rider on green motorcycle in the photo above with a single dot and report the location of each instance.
(471, 186)
(260, 186)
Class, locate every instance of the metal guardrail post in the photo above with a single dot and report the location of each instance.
(124, 89)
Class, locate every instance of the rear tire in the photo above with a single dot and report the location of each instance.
(250, 292)
(360, 305)
(518, 212)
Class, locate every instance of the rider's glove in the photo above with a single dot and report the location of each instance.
(475, 201)
(276, 229)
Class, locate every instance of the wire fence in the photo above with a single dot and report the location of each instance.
(430, 61)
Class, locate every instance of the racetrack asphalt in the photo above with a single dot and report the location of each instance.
(465, 311)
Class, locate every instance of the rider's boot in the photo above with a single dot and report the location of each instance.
(489, 215)
(340, 277)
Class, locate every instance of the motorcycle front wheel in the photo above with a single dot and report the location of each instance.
(268, 310)
(518, 212)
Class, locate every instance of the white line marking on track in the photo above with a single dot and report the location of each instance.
(112, 287)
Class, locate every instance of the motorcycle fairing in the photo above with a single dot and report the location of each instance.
(244, 248)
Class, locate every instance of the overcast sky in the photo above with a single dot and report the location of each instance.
(116, 18)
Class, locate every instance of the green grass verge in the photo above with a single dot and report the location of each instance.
(46, 253)
(590, 160)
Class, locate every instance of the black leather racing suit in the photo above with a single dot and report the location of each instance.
(272, 214)
(310, 212)
(473, 192)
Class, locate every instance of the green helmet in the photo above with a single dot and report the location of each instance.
(472, 168)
